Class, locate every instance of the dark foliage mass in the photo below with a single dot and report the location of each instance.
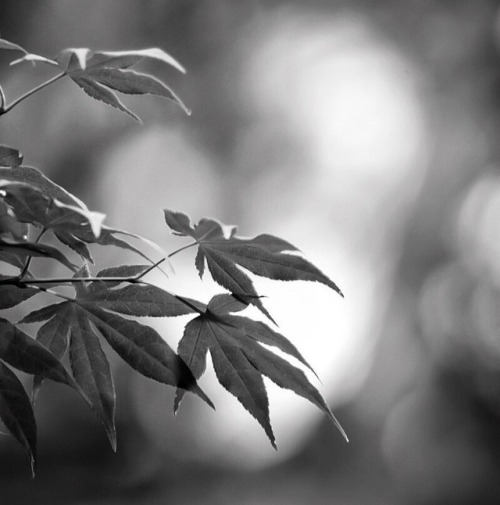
(41, 220)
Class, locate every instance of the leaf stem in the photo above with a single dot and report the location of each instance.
(182, 249)
(6, 108)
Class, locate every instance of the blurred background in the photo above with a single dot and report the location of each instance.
(366, 134)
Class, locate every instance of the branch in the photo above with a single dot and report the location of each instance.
(6, 108)
(76, 280)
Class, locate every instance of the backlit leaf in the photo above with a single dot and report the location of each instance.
(240, 360)
(37, 250)
(137, 300)
(16, 412)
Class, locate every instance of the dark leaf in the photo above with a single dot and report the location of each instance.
(224, 253)
(28, 355)
(11, 295)
(42, 314)
(36, 249)
(240, 359)
(10, 157)
(122, 272)
(92, 372)
(144, 350)
(137, 300)
(16, 412)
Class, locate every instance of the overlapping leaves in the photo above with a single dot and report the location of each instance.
(241, 360)
(101, 73)
(224, 253)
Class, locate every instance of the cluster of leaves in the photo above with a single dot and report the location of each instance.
(41, 220)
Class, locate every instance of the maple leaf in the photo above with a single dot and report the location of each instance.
(240, 360)
(16, 412)
(224, 253)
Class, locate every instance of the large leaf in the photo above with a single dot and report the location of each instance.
(16, 412)
(143, 349)
(137, 300)
(91, 370)
(12, 295)
(240, 360)
(264, 255)
(26, 354)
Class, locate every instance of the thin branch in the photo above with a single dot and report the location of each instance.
(182, 249)
(18, 100)
(78, 280)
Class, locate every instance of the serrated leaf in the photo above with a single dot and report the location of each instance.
(26, 354)
(238, 375)
(12, 295)
(225, 254)
(75, 244)
(99, 92)
(16, 412)
(37, 250)
(10, 157)
(137, 300)
(133, 83)
(144, 350)
(42, 314)
(226, 303)
(240, 359)
(92, 372)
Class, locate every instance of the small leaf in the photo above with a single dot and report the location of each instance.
(11, 295)
(16, 412)
(101, 93)
(10, 157)
(42, 314)
(5, 44)
(34, 58)
(92, 372)
(123, 59)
